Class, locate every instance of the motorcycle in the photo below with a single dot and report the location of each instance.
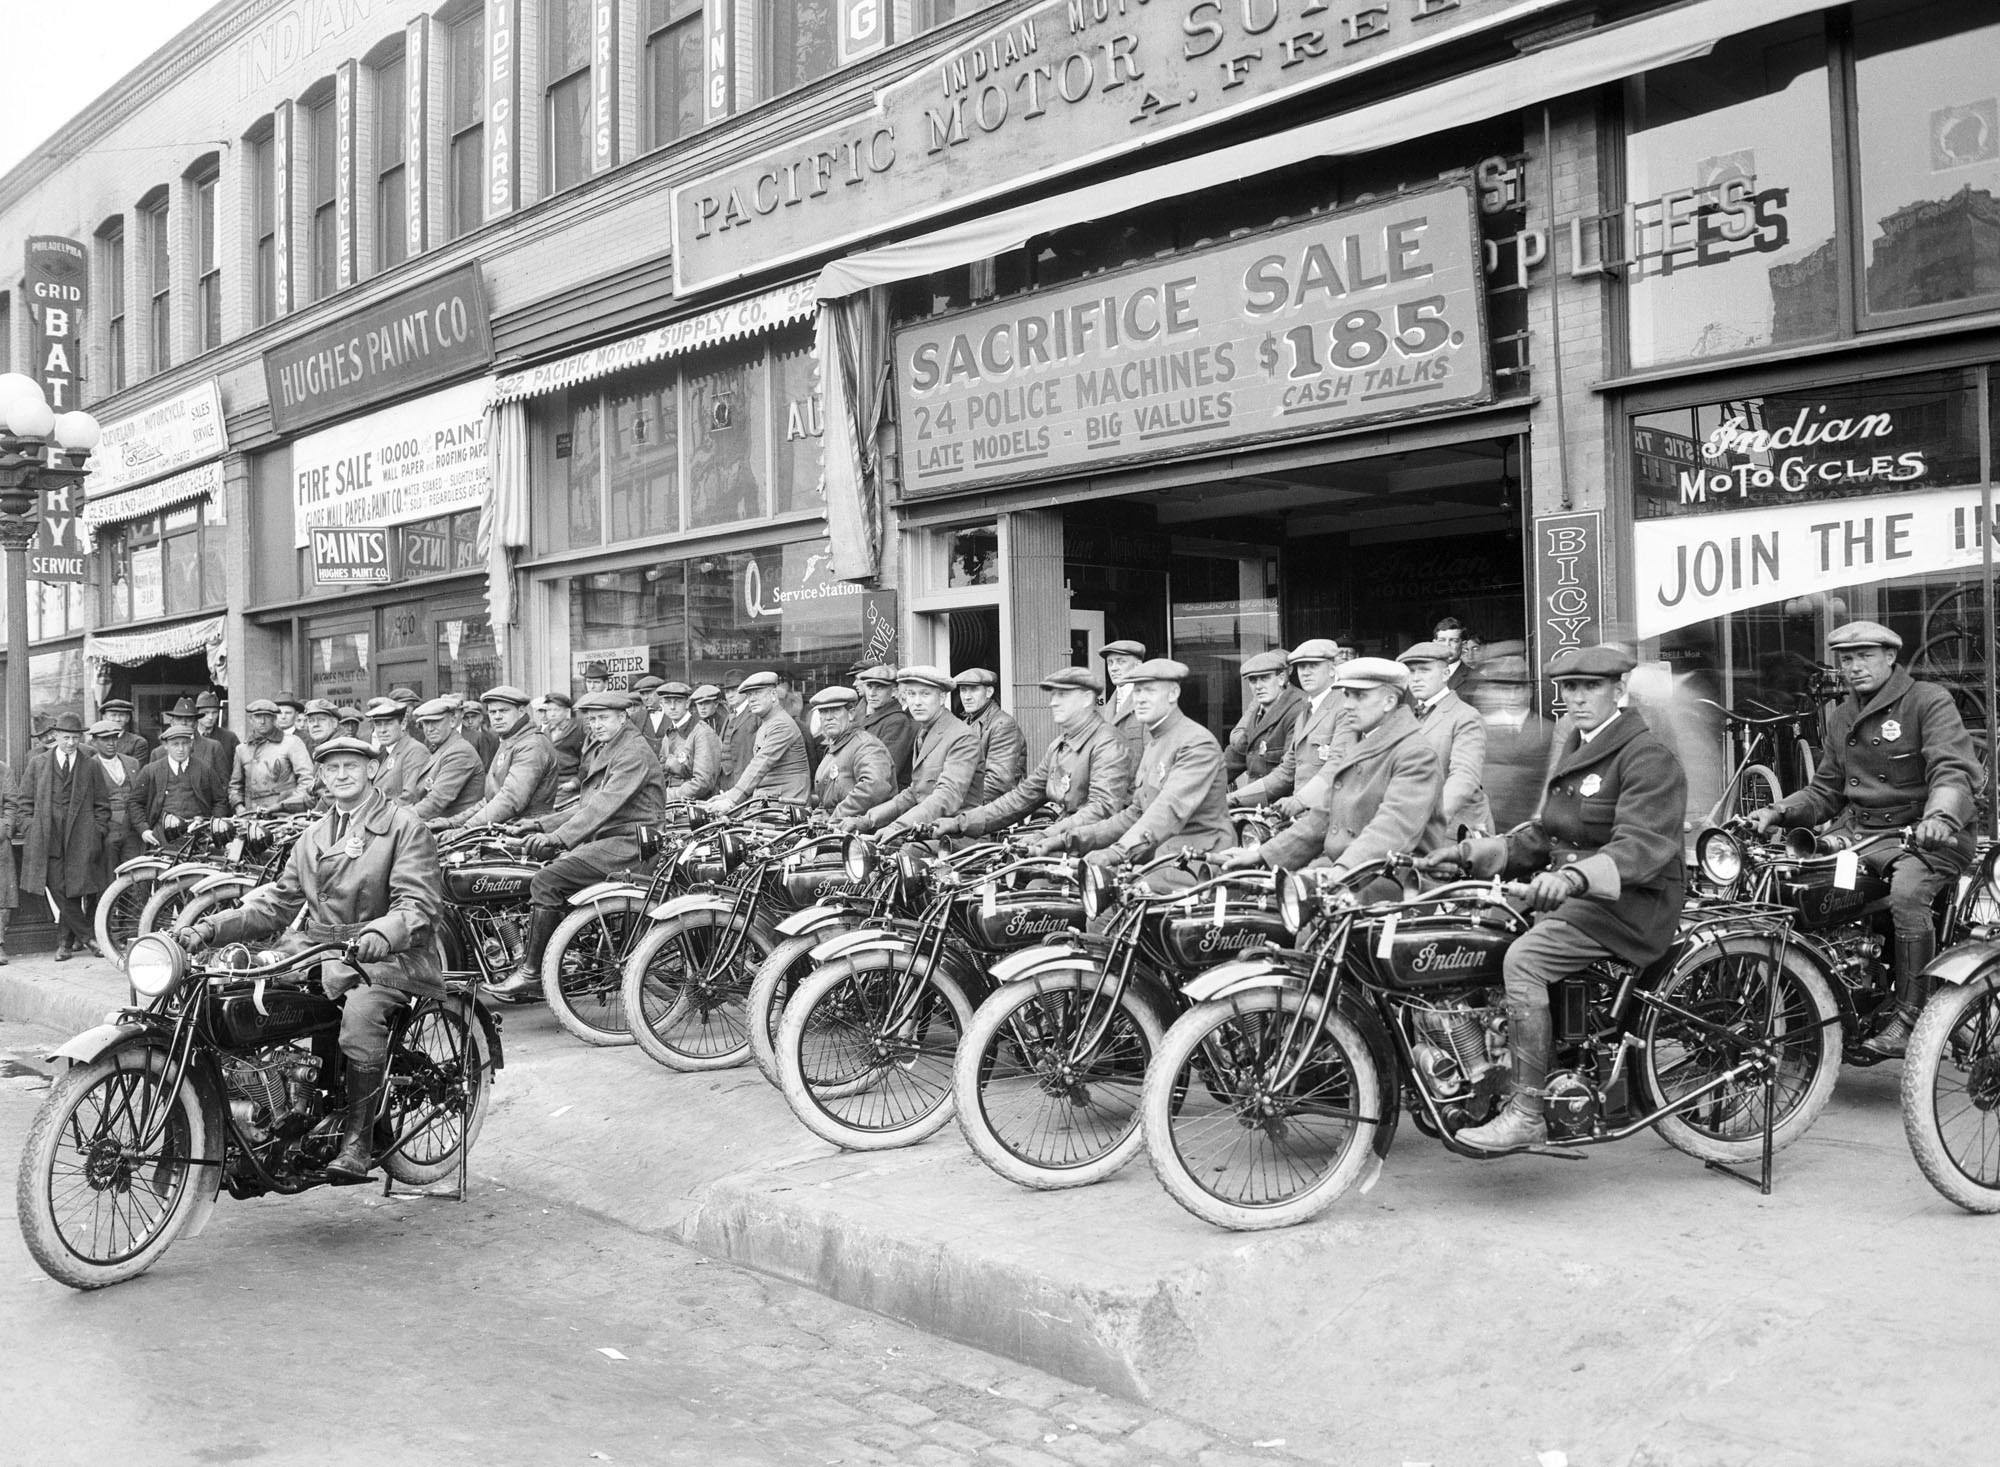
(867, 1044)
(1282, 1085)
(123, 903)
(483, 922)
(1840, 910)
(230, 1077)
(1050, 1071)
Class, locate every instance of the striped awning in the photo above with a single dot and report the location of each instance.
(132, 504)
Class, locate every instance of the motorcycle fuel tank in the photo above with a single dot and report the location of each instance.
(245, 1019)
(1439, 950)
(1202, 942)
(488, 884)
(1015, 919)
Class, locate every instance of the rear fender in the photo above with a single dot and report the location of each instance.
(680, 906)
(1969, 962)
(142, 865)
(603, 890)
(1388, 1066)
(490, 1022)
(813, 919)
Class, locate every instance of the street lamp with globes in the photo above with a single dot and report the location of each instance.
(41, 451)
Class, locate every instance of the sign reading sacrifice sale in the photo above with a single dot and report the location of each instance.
(1349, 318)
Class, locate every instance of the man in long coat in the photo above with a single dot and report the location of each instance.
(1002, 756)
(1257, 743)
(65, 814)
(946, 752)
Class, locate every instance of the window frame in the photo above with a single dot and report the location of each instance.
(205, 201)
(558, 91)
(322, 212)
(391, 163)
(158, 214)
(111, 278)
(465, 123)
(681, 15)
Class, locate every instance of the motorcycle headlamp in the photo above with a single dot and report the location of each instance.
(857, 859)
(910, 869)
(649, 843)
(219, 828)
(1720, 856)
(1298, 899)
(173, 825)
(1986, 897)
(1097, 890)
(155, 964)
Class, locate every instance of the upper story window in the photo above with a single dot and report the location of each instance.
(111, 291)
(322, 195)
(263, 190)
(673, 70)
(466, 125)
(163, 565)
(207, 261)
(933, 13)
(159, 281)
(566, 115)
(392, 213)
(798, 43)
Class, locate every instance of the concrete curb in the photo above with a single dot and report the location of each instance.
(68, 997)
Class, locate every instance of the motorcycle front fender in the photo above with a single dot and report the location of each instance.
(624, 890)
(142, 865)
(94, 1043)
(812, 919)
(1967, 963)
(846, 944)
(680, 906)
(1243, 975)
(1048, 957)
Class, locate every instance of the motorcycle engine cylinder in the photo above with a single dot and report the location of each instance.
(1442, 1076)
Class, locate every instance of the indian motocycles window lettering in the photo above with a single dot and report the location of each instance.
(1728, 224)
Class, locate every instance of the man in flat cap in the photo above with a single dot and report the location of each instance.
(1313, 662)
(739, 727)
(201, 748)
(130, 740)
(1002, 756)
(404, 759)
(857, 774)
(452, 783)
(521, 777)
(777, 766)
(477, 731)
(649, 717)
(1179, 799)
(406, 695)
(566, 735)
(623, 790)
(690, 751)
(272, 770)
(1084, 776)
(1604, 865)
(1382, 784)
(121, 775)
(1455, 730)
(354, 724)
(1896, 754)
(209, 724)
(887, 719)
(1119, 660)
(1257, 743)
(65, 813)
(322, 722)
(946, 750)
(175, 783)
(707, 705)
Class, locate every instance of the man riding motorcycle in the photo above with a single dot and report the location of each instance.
(1897, 753)
(521, 780)
(946, 754)
(366, 873)
(1084, 773)
(778, 765)
(858, 772)
(1604, 864)
(1313, 732)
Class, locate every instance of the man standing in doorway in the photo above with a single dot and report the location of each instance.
(65, 816)
(1121, 711)
(1449, 634)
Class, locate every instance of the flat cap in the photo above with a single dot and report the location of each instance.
(924, 675)
(707, 692)
(1863, 634)
(384, 708)
(506, 693)
(1085, 678)
(1263, 663)
(437, 708)
(878, 672)
(1425, 652)
(177, 731)
(756, 680)
(407, 696)
(290, 700)
(836, 696)
(560, 700)
(1603, 660)
(350, 714)
(1371, 672)
(208, 700)
(1315, 649)
(607, 700)
(345, 746)
(104, 728)
(1158, 670)
(183, 709)
(115, 705)
(322, 705)
(976, 677)
(263, 705)
(1128, 647)
(677, 690)
(649, 684)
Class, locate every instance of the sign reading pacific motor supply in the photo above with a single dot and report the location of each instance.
(413, 461)
(1370, 314)
(1055, 88)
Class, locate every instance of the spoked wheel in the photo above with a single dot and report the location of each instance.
(865, 1051)
(1238, 1142)
(1951, 1094)
(100, 1200)
(583, 974)
(440, 1080)
(777, 978)
(1722, 997)
(116, 919)
(1756, 787)
(1049, 1077)
(686, 987)
(163, 907)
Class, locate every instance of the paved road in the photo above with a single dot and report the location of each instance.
(340, 1328)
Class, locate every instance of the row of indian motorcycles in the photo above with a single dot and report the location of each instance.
(1260, 1035)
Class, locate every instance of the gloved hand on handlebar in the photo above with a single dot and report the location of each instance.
(369, 947)
(1237, 858)
(948, 825)
(1446, 862)
(192, 938)
(1049, 845)
(1549, 889)
(1109, 856)
(437, 825)
(542, 847)
(1933, 832)
(1766, 820)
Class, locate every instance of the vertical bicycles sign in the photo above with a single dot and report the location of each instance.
(56, 279)
(1569, 582)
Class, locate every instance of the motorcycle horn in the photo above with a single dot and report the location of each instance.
(1800, 843)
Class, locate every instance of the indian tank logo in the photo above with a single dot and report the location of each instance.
(497, 885)
(1028, 924)
(1433, 959)
(1226, 939)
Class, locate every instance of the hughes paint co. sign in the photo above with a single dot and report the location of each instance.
(1049, 90)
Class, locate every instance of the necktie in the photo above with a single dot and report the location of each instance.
(178, 767)
(64, 762)
(1423, 711)
(339, 826)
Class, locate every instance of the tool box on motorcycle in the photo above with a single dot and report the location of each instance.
(242, 1017)
(1200, 937)
(1003, 920)
(1454, 944)
(488, 883)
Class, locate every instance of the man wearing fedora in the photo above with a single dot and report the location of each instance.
(1896, 754)
(1257, 743)
(945, 756)
(174, 782)
(1002, 755)
(1083, 776)
(521, 778)
(1120, 711)
(201, 748)
(776, 765)
(65, 816)
(690, 752)
(130, 740)
(1313, 662)
(886, 718)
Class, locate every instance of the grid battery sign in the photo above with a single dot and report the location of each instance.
(1351, 318)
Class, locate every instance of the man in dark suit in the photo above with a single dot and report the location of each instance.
(886, 718)
(202, 749)
(1119, 710)
(1257, 743)
(175, 783)
(1450, 634)
(121, 774)
(119, 711)
(65, 815)
(209, 723)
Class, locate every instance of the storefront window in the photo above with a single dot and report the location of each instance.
(55, 686)
(1729, 169)
(445, 545)
(727, 425)
(799, 429)
(1929, 152)
(167, 564)
(643, 471)
(339, 668)
(466, 660)
(975, 557)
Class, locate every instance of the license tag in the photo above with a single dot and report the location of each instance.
(1221, 906)
(236, 849)
(1847, 870)
(1385, 944)
(989, 900)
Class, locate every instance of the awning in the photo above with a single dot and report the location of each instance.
(1594, 58)
(748, 317)
(132, 504)
(128, 649)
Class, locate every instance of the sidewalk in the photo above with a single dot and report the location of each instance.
(1627, 1308)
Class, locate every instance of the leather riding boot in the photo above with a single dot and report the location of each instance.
(357, 1153)
(1520, 1123)
(526, 978)
(1913, 990)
